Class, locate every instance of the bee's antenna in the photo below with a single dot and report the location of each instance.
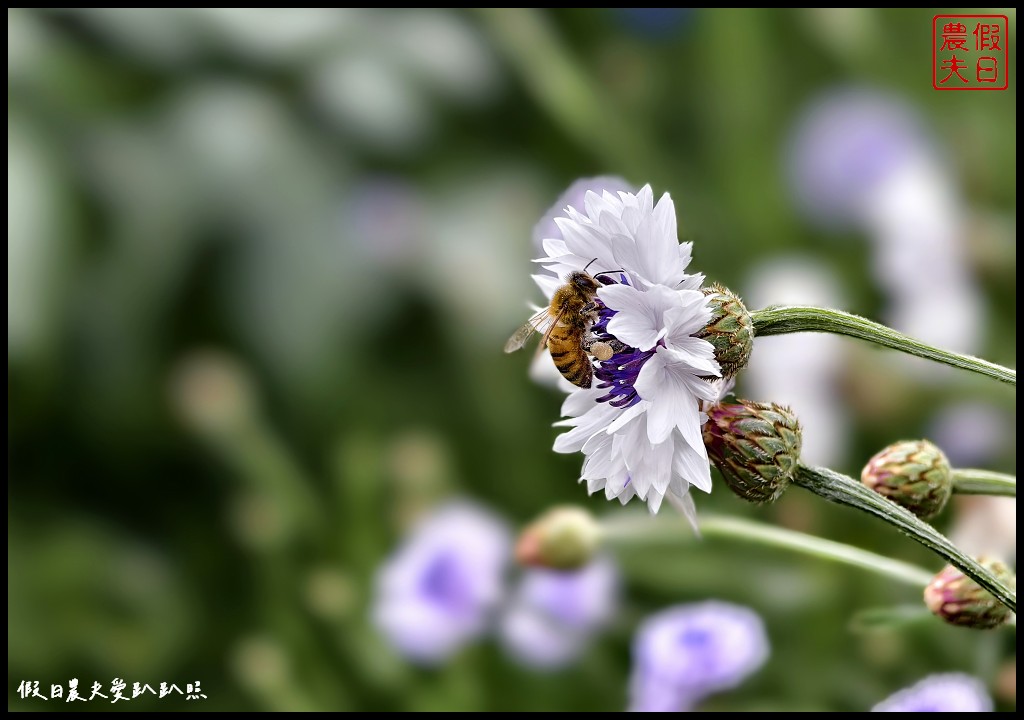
(608, 272)
(589, 264)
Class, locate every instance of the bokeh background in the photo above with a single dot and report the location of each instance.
(261, 265)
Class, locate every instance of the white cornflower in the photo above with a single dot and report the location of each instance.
(639, 426)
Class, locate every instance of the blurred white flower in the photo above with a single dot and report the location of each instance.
(554, 614)
(35, 240)
(278, 34)
(640, 425)
(985, 526)
(438, 590)
(973, 434)
(379, 84)
(372, 102)
(802, 370)
(441, 49)
(687, 652)
(951, 692)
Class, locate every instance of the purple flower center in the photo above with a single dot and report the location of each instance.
(445, 583)
(561, 597)
(694, 637)
(619, 373)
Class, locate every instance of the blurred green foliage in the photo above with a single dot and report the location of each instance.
(260, 268)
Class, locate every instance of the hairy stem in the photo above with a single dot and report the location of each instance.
(984, 482)
(781, 320)
(844, 490)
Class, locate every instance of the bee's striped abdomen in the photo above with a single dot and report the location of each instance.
(566, 346)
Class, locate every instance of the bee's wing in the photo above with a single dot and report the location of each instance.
(541, 322)
(550, 326)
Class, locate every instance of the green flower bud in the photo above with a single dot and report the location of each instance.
(563, 538)
(959, 600)
(756, 447)
(911, 473)
(731, 330)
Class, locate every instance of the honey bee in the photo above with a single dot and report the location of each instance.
(566, 324)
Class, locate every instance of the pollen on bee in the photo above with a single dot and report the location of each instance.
(602, 351)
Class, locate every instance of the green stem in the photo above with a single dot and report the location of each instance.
(843, 490)
(780, 320)
(984, 482)
(620, 529)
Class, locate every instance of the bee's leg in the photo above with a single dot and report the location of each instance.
(603, 349)
(616, 346)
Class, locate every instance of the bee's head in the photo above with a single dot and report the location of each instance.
(583, 281)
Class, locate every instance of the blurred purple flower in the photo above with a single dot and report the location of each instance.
(437, 591)
(864, 157)
(845, 145)
(952, 692)
(685, 653)
(555, 613)
(971, 433)
(574, 197)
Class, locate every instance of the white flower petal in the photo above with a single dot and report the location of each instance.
(692, 466)
(659, 464)
(683, 502)
(580, 402)
(697, 353)
(634, 453)
(664, 216)
(584, 240)
(627, 415)
(548, 284)
(555, 247)
(639, 321)
(644, 200)
(626, 495)
(595, 205)
(685, 253)
(587, 426)
(617, 485)
(574, 198)
(691, 282)
(657, 255)
(692, 313)
(671, 387)
(652, 471)
(654, 499)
